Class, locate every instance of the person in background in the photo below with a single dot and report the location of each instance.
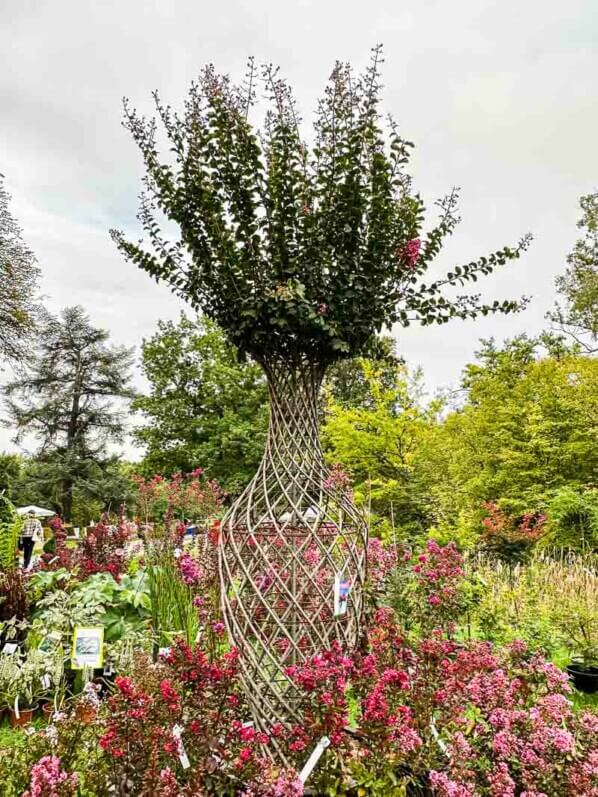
(31, 532)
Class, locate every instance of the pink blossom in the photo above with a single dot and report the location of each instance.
(409, 253)
(48, 779)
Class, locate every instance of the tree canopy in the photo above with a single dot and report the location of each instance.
(295, 250)
(577, 315)
(19, 276)
(65, 396)
(521, 432)
(204, 408)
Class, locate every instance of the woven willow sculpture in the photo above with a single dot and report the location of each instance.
(284, 541)
(302, 255)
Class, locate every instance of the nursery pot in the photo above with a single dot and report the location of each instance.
(47, 711)
(584, 678)
(25, 716)
(85, 713)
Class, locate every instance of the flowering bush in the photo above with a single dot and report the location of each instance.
(338, 481)
(48, 779)
(181, 496)
(103, 550)
(188, 704)
(439, 579)
(509, 728)
(509, 537)
(382, 560)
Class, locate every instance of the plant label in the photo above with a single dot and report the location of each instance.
(183, 757)
(88, 648)
(9, 648)
(46, 680)
(311, 762)
(342, 587)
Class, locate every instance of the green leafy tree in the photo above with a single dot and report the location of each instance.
(100, 484)
(377, 440)
(526, 427)
(19, 276)
(350, 382)
(10, 469)
(298, 252)
(204, 408)
(578, 286)
(65, 397)
(573, 518)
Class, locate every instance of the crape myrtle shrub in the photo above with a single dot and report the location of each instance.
(297, 251)
(415, 711)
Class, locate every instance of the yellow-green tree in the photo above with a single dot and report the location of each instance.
(527, 428)
(378, 441)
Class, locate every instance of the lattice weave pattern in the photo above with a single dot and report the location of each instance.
(282, 544)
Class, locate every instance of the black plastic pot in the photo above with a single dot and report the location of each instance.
(584, 678)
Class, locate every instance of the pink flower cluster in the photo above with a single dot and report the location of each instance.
(382, 560)
(509, 727)
(338, 481)
(439, 575)
(48, 779)
(409, 253)
(189, 569)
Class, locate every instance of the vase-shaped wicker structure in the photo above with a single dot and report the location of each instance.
(283, 543)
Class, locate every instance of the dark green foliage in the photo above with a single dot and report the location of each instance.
(9, 530)
(19, 275)
(10, 469)
(578, 286)
(204, 408)
(64, 397)
(295, 251)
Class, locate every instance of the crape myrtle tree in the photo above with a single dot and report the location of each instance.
(19, 276)
(65, 397)
(303, 254)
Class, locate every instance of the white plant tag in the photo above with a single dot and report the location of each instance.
(17, 712)
(163, 651)
(54, 559)
(46, 680)
(9, 648)
(183, 757)
(342, 587)
(311, 762)
(108, 670)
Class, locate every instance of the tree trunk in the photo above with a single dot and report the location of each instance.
(72, 441)
(283, 542)
(67, 500)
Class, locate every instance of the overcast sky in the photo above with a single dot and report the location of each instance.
(499, 97)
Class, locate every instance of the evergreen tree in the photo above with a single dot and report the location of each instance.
(65, 397)
(18, 285)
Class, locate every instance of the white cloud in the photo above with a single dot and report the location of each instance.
(499, 98)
